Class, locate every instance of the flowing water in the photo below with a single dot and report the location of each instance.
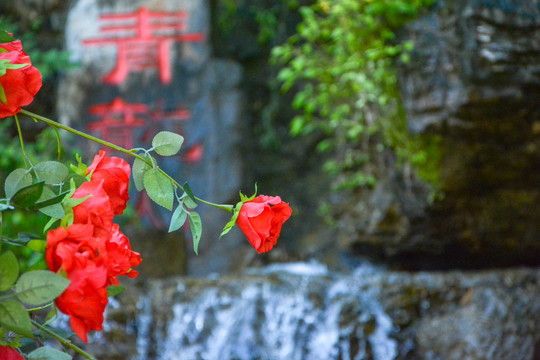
(288, 311)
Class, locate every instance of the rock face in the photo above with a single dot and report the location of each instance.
(474, 80)
(302, 311)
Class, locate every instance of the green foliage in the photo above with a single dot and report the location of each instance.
(48, 353)
(162, 189)
(50, 61)
(18, 222)
(342, 65)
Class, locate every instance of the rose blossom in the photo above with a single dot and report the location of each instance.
(85, 298)
(20, 85)
(67, 248)
(114, 172)
(261, 219)
(9, 353)
(120, 258)
(95, 210)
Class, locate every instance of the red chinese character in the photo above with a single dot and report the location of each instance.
(143, 41)
(117, 121)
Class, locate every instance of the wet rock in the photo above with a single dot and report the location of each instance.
(303, 311)
(474, 81)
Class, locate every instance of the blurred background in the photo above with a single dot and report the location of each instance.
(404, 134)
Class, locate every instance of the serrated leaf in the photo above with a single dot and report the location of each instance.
(115, 290)
(27, 196)
(178, 218)
(196, 230)
(9, 270)
(40, 287)
(159, 188)
(52, 172)
(16, 180)
(14, 317)
(48, 353)
(138, 170)
(167, 143)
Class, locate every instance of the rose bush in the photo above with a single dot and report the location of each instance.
(261, 219)
(87, 252)
(19, 80)
(92, 251)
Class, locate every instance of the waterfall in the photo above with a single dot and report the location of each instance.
(284, 311)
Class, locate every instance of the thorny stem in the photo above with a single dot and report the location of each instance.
(132, 152)
(65, 342)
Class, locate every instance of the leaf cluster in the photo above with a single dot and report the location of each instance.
(342, 65)
(162, 189)
(22, 294)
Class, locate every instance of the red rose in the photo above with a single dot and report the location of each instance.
(85, 298)
(68, 248)
(261, 219)
(120, 258)
(9, 353)
(95, 210)
(114, 172)
(20, 85)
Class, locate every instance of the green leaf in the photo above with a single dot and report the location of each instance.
(178, 218)
(196, 230)
(245, 198)
(78, 180)
(55, 211)
(16, 66)
(3, 97)
(167, 143)
(40, 287)
(14, 317)
(49, 224)
(49, 203)
(49, 197)
(16, 180)
(37, 245)
(9, 270)
(27, 196)
(189, 198)
(81, 169)
(52, 172)
(5, 37)
(159, 188)
(232, 222)
(48, 353)
(138, 170)
(115, 290)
